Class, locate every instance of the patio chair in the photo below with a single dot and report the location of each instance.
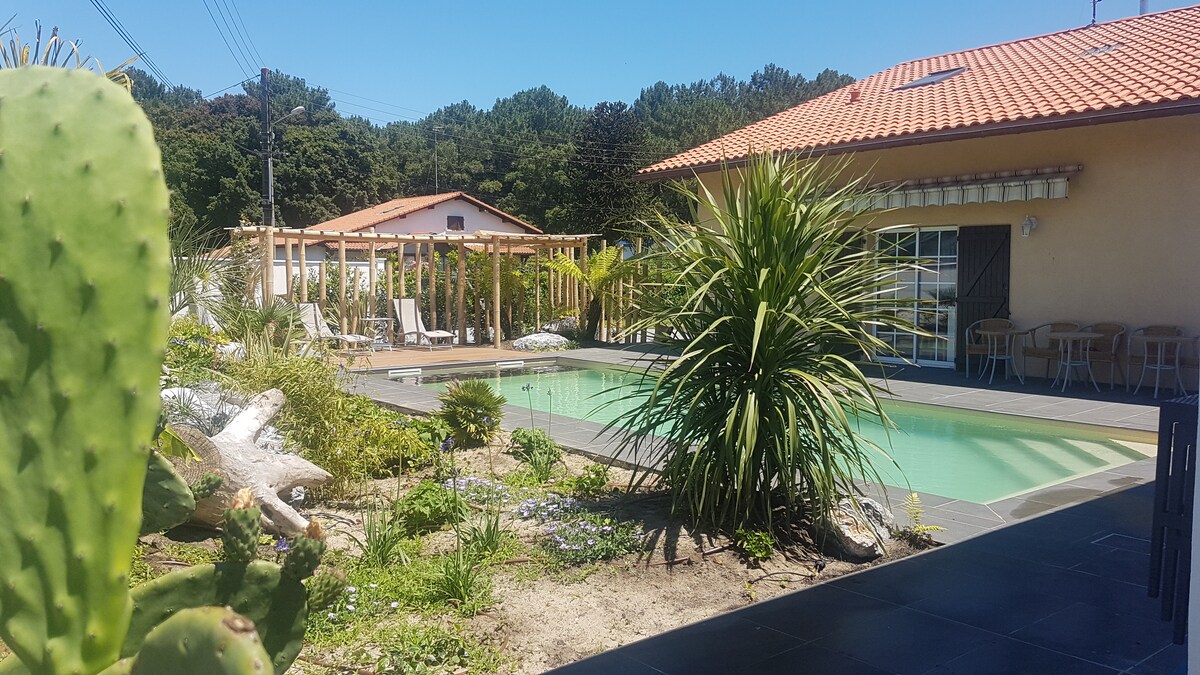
(976, 345)
(1141, 354)
(1106, 349)
(1049, 350)
(411, 324)
(316, 329)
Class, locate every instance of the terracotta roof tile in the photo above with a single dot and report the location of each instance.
(1139, 61)
(361, 220)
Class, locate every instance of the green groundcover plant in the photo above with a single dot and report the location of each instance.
(770, 307)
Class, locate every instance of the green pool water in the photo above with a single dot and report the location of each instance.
(959, 454)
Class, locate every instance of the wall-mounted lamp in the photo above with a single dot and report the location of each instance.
(1028, 225)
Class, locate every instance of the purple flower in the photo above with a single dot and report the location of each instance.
(282, 545)
(447, 444)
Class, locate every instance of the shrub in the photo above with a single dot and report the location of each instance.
(428, 507)
(473, 411)
(383, 533)
(483, 536)
(591, 484)
(536, 450)
(757, 418)
(591, 538)
(387, 441)
(756, 544)
(191, 351)
(460, 580)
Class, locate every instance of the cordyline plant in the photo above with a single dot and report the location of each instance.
(768, 313)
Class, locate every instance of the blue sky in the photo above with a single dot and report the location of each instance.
(419, 56)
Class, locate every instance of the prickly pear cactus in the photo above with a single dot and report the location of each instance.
(203, 641)
(305, 553)
(83, 275)
(324, 589)
(242, 528)
(275, 603)
(206, 486)
(167, 501)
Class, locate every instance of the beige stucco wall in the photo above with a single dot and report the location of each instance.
(1120, 248)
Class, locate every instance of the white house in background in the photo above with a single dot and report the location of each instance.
(445, 213)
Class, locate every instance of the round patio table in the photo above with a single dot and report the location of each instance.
(1161, 342)
(1072, 347)
(1001, 344)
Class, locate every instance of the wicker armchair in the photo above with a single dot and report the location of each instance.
(976, 345)
(1106, 349)
(1051, 348)
(1139, 354)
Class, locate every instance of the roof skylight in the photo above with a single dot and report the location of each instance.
(932, 78)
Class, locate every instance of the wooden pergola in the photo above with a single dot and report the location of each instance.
(564, 291)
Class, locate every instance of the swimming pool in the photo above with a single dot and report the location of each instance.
(960, 454)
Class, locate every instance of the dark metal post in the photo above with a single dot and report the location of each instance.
(268, 189)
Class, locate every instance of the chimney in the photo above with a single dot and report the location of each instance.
(855, 94)
(1143, 6)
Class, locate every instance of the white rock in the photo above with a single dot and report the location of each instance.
(862, 533)
(540, 342)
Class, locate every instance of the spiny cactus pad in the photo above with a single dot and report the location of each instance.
(206, 486)
(83, 319)
(167, 501)
(240, 533)
(203, 641)
(323, 590)
(276, 604)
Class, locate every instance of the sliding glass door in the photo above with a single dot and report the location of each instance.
(933, 290)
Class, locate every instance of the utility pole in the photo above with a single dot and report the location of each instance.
(268, 149)
(436, 129)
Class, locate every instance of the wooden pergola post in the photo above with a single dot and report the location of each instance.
(604, 332)
(461, 290)
(371, 276)
(637, 277)
(268, 267)
(387, 301)
(323, 285)
(400, 292)
(448, 315)
(417, 291)
(287, 264)
(342, 286)
(303, 271)
(496, 291)
(355, 301)
(580, 288)
(537, 290)
(432, 289)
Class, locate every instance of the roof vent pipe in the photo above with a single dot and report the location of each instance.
(855, 94)
(1143, 6)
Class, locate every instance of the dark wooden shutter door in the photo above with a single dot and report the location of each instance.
(983, 275)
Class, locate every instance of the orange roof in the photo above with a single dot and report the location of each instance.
(1136, 67)
(361, 220)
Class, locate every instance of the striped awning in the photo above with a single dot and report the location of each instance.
(999, 186)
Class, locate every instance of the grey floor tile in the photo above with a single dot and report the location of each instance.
(905, 641)
(1005, 656)
(1115, 640)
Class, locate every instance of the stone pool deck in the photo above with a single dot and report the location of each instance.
(1063, 594)
(961, 519)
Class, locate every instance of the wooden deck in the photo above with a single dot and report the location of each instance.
(413, 356)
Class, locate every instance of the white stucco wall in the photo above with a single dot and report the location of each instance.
(434, 220)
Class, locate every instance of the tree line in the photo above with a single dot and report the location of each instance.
(559, 166)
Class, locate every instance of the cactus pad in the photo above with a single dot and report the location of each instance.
(167, 500)
(324, 589)
(83, 279)
(206, 486)
(276, 604)
(241, 528)
(203, 641)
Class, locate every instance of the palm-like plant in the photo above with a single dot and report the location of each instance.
(56, 52)
(768, 314)
(604, 270)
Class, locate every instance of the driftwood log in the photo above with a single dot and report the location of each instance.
(233, 455)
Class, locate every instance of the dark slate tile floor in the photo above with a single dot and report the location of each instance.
(1062, 594)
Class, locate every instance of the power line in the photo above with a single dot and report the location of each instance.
(226, 41)
(222, 91)
(246, 33)
(231, 28)
(116, 25)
